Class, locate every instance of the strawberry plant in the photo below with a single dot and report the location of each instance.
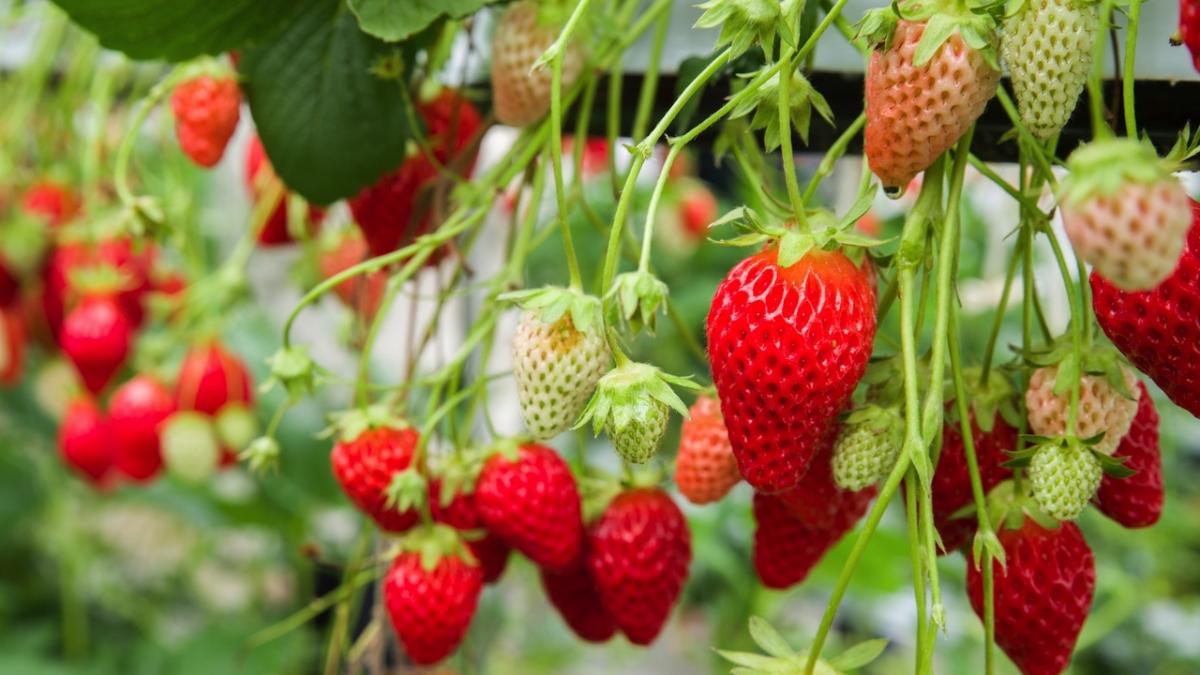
(320, 300)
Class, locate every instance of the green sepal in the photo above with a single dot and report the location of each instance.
(637, 298)
(1104, 166)
(350, 424)
(987, 399)
(508, 447)
(99, 279)
(408, 490)
(803, 98)
(623, 392)
(1113, 466)
(457, 473)
(552, 303)
(261, 455)
(743, 23)
(877, 26)
(293, 368)
(1095, 361)
(859, 655)
(1186, 146)
(434, 541)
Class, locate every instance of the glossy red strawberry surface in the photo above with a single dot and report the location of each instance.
(85, 440)
(431, 609)
(640, 549)
(53, 201)
(365, 466)
(210, 377)
(532, 503)
(13, 338)
(817, 501)
(1159, 330)
(787, 347)
(1042, 595)
(952, 480)
(573, 593)
(1137, 500)
(137, 411)
(490, 551)
(96, 336)
(206, 115)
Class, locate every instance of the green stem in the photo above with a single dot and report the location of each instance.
(785, 142)
(646, 146)
(652, 213)
(1130, 77)
(313, 609)
(913, 520)
(650, 78)
(989, 351)
(556, 158)
(125, 151)
(825, 168)
(1095, 85)
(1035, 147)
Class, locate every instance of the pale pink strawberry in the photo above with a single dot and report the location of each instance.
(1102, 409)
(522, 93)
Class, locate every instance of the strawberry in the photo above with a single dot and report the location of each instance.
(917, 110)
(1102, 408)
(786, 548)
(130, 262)
(557, 364)
(817, 501)
(1042, 595)
(527, 496)
(210, 377)
(1189, 29)
(259, 175)
(951, 486)
(363, 293)
(12, 345)
(452, 127)
(521, 91)
(53, 201)
(1159, 330)
(632, 403)
(705, 470)
(368, 455)
(1047, 45)
(431, 593)
(137, 411)
(573, 593)
(867, 447)
(85, 440)
(1137, 500)
(697, 209)
(462, 513)
(189, 446)
(206, 115)
(10, 284)
(787, 347)
(96, 337)
(1124, 212)
(640, 548)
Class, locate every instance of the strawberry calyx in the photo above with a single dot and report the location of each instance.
(99, 280)
(552, 303)
(825, 232)
(637, 298)
(1102, 167)
(596, 491)
(350, 424)
(293, 368)
(942, 19)
(626, 393)
(457, 473)
(408, 491)
(803, 98)
(432, 542)
(1065, 472)
(261, 454)
(987, 399)
(1072, 365)
(746, 23)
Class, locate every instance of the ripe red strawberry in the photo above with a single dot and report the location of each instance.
(431, 600)
(363, 293)
(1124, 211)
(462, 513)
(522, 93)
(952, 479)
(697, 209)
(915, 112)
(85, 440)
(210, 377)
(12, 345)
(817, 501)
(96, 337)
(10, 284)
(1042, 595)
(259, 175)
(573, 593)
(640, 549)
(705, 469)
(206, 115)
(1136, 501)
(396, 210)
(527, 496)
(137, 411)
(1159, 330)
(132, 262)
(53, 201)
(786, 548)
(787, 348)
(1189, 29)
(366, 463)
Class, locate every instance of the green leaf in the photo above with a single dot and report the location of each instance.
(329, 126)
(179, 30)
(765, 636)
(393, 20)
(859, 655)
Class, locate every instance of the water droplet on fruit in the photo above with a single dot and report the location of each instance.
(893, 191)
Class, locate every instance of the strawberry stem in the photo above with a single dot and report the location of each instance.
(785, 142)
(1129, 79)
(1095, 85)
(555, 141)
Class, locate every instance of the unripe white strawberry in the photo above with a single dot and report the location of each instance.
(556, 367)
(1047, 45)
(1064, 476)
(1125, 214)
(1102, 409)
(632, 404)
(867, 447)
(522, 93)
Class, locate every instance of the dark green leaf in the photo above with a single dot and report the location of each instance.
(329, 126)
(178, 30)
(394, 20)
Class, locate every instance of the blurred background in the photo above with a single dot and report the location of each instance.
(176, 577)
